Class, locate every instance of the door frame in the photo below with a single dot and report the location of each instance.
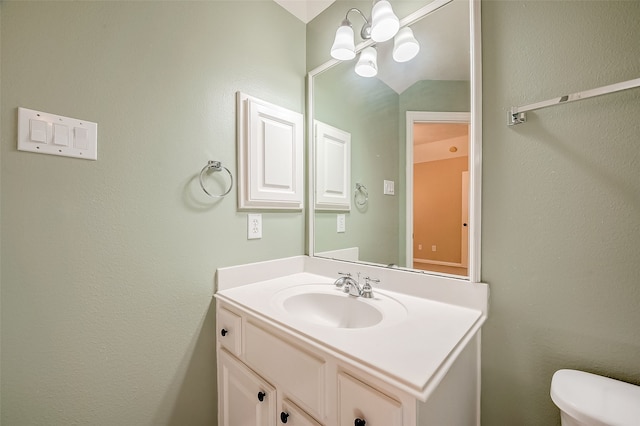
(413, 117)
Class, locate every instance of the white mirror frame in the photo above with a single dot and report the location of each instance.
(475, 146)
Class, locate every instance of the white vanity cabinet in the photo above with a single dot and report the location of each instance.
(287, 328)
(266, 377)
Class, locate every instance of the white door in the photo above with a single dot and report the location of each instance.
(464, 246)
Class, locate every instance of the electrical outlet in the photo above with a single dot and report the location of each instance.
(341, 223)
(254, 226)
(433, 248)
(419, 246)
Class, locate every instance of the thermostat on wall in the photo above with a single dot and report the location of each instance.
(57, 135)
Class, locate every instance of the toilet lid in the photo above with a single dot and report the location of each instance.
(591, 398)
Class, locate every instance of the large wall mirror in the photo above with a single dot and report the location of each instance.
(412, 178)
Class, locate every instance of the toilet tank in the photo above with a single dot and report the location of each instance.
(589, 399)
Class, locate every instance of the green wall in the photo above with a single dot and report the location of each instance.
(108, 266)
(0, 216)
(561, 202)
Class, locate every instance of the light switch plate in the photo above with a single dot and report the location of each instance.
(389, 187)
(52, 134)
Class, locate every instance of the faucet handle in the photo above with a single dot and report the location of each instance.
(367, 291)
(340, 281)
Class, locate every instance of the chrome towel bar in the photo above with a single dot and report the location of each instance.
(517, 114)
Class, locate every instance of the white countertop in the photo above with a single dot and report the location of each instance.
(411, 349)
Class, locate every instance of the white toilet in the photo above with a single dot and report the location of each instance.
(587, 399)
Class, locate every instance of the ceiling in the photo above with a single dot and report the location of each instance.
(305, 10)
(434, 132)
(439, 141)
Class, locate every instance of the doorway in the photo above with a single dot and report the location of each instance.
(438, 192)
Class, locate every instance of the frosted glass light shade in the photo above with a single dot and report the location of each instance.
(367, 65)
(343, 47)
(405, 45)
(384, 23)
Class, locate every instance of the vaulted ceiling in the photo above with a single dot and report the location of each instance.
(305, 10)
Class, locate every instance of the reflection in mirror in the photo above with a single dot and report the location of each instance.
(381, 113)
(438, 191)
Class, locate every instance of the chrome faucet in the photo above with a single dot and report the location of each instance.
(340, 281)
(352, 286)
(348, 284)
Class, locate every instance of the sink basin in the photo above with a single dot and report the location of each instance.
(334, 310)
(328, 306)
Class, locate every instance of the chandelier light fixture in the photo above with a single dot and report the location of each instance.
(382, 26)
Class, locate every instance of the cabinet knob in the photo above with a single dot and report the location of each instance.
(224, 332)
(359, 422)
(283, 417)
(261, 396)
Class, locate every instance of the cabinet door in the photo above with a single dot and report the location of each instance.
(333, 168)
(361, 405)
(244, 398)
(292, 415)
(270, 154)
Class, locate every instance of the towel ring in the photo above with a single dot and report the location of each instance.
(364, 195)
(216, 166)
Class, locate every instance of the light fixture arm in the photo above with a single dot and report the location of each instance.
(365, 32)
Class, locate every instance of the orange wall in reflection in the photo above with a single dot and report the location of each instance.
(437, 209)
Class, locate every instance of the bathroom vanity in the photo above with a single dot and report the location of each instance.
(294, 349)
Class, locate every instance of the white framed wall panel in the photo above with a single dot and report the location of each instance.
(333, 167)
(270, 156)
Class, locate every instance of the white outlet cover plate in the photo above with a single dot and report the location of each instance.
(341, 223)
(254, 226)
